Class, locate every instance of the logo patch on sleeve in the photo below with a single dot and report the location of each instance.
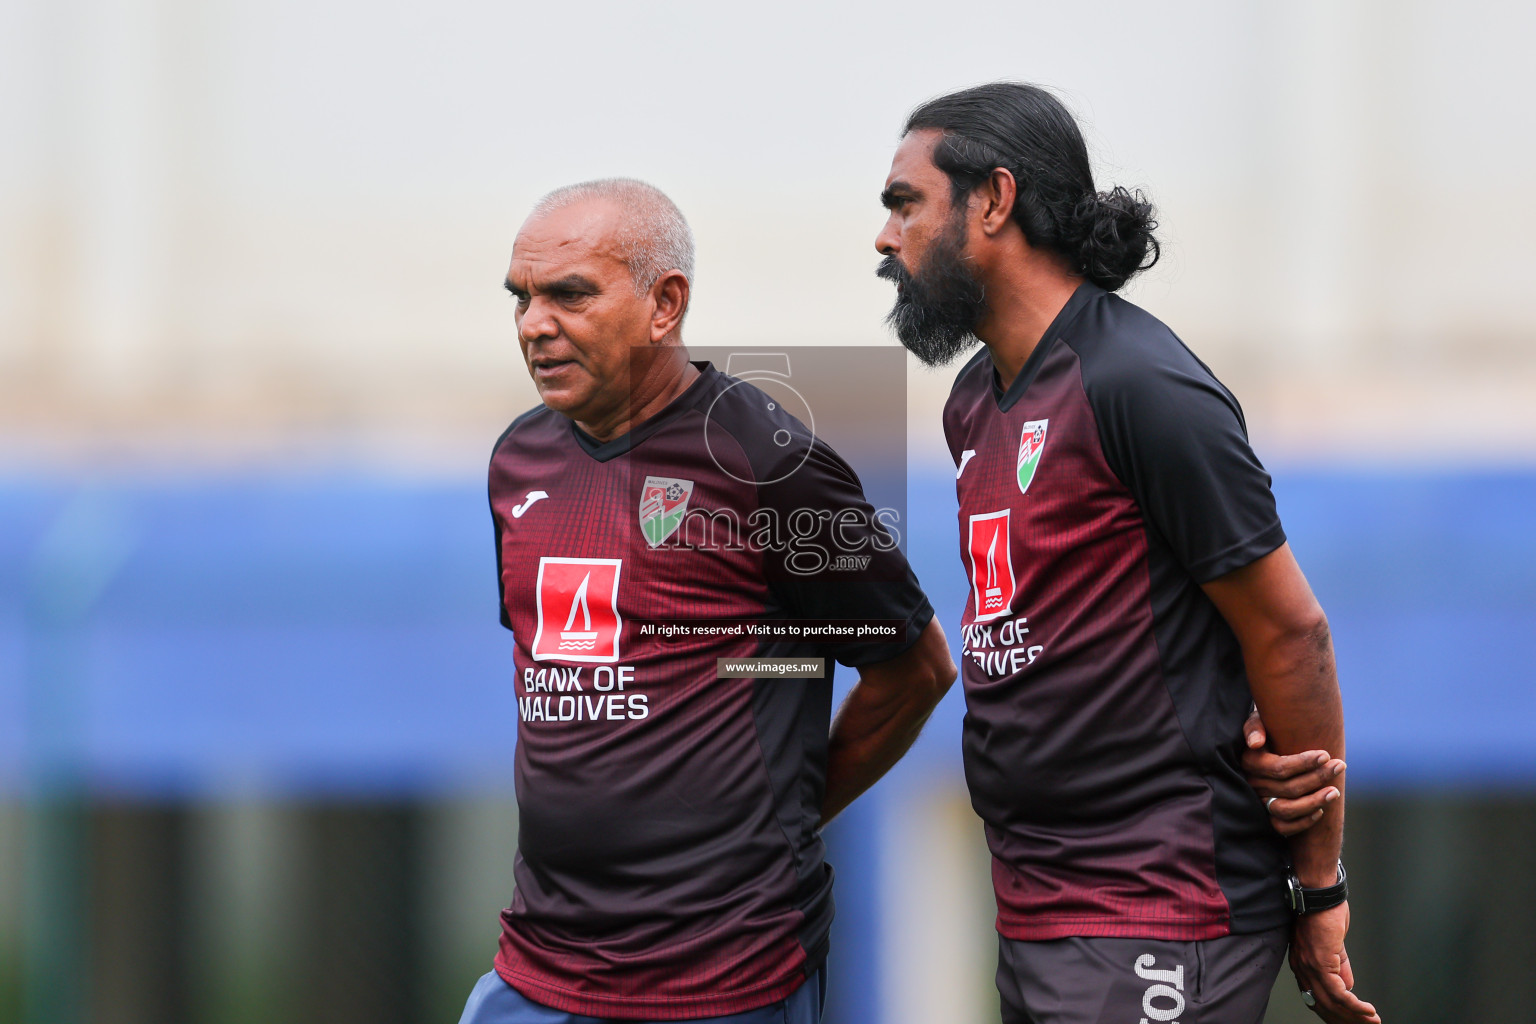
(578, 603)
(992, 581)
(663, 502)
(1031, 444)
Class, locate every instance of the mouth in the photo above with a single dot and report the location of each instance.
(545, 368)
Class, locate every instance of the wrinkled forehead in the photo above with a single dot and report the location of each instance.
(582, 232)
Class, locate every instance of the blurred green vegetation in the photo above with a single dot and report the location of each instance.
(386, 913)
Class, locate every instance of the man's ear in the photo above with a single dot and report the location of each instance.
(670, 293)
(997, 196)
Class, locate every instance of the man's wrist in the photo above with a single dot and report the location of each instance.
(1319, 876)
(1315, 857)
(1304, 899)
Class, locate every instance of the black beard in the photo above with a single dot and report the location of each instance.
(937, 308)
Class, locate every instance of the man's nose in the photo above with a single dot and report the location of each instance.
(888, 241)
(538, 321)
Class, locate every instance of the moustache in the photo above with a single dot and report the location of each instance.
(891, 269)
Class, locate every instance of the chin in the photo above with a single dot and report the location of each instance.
(558, 399)
(567, 401)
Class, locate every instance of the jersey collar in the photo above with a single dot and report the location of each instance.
(602, 451)
(1085, 293)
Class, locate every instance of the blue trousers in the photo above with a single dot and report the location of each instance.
(493, 1001)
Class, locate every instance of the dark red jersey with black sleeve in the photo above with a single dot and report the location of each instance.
(1105, 694)
(669, 865)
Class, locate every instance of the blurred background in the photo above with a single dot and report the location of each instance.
(256, 718)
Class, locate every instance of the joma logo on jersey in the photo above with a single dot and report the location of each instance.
(578, 602)
(1031, 444)
(663, 501)
(992, 580)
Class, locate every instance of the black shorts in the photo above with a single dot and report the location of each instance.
(1139, 981)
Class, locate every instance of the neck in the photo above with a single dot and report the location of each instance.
(658, 380)
(1023, 297)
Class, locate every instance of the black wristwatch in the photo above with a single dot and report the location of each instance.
(1304, 901)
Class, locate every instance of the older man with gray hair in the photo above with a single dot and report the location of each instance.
(670, 864)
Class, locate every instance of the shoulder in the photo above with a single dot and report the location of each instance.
(790, 465)
(773, 440)
(1116, 339)
(1126, 354)
(739, 405)
(535, 423)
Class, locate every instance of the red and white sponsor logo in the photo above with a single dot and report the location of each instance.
(992, 580)
(578, 602)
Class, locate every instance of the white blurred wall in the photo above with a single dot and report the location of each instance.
(227, 221)
(937, 911)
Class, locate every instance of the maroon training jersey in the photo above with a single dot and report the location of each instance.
(1105, 694)
(668, 860)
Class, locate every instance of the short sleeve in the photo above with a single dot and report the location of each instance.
(1176, 438)
(850, 566)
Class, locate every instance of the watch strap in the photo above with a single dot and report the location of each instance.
(1302, 900)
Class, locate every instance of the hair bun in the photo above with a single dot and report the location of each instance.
(1112, 236)
(1104, 236)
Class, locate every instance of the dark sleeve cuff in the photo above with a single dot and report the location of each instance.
(854, 655)
(1238, 555)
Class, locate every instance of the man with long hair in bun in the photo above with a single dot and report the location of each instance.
(1132, 598)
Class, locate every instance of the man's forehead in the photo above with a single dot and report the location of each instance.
(581, 232)
(913, 160)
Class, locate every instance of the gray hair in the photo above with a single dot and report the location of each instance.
(653, 237)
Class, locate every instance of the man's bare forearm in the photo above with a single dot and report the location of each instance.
(882, 717)
(1295, 685)
(1288, 654)
(869, 736)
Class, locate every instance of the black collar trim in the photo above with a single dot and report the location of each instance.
(603, 451)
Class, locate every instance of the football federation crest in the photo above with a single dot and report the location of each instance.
(992, 579)
(1031, 444)
(578, 604)
(663, 502)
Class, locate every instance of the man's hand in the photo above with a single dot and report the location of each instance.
(1322, 967)
(1294, 787)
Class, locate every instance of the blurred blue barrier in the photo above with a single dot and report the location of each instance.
(339, 635)
(1429, 582)
(278, 636)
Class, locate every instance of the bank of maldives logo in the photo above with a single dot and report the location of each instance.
(663, 501)
(578, 602)
(1031, 444)
(991, 565)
